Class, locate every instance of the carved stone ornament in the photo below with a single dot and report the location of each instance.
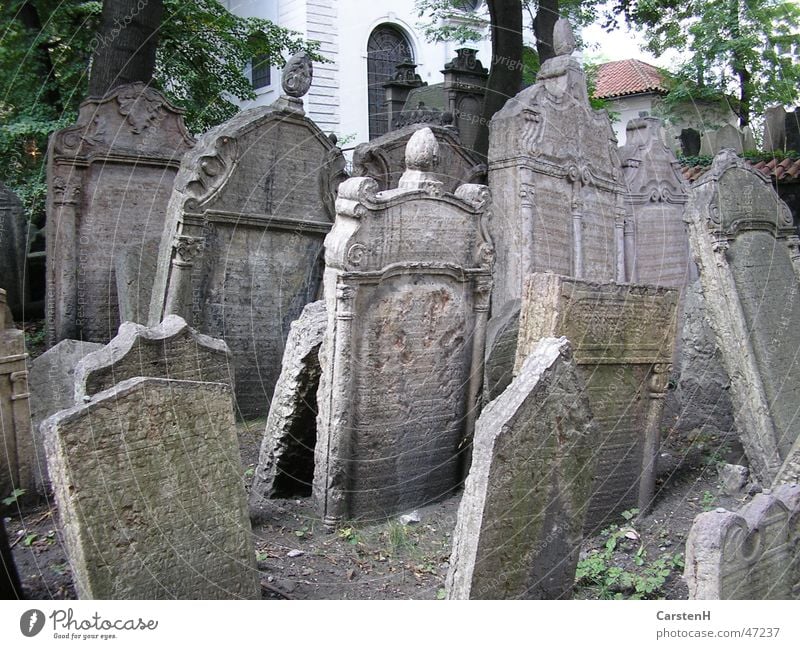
(563, 38)
(297, 75)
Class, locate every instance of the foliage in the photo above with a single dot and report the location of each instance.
(747, 47)
(602, 573)
(45, 55)
(15, 495)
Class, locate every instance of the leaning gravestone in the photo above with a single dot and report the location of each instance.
(109, 178)
(241, 251)
(556, 180)
(17, 449)
(384, 158)
(52, 386)
(501, 350)
(148, 485)
(750, 554)
(622, 336)
(748, 254)
(521, 517)
(13, 248)
(171, 350)
(286, 461)
(657, 242)
(407, 288)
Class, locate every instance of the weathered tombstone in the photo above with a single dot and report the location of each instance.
(791, 131)
(657, 242)
(464, 88)
(622, 336)
(52, 388)
(407, 288)
(383, 158)
(13, 250)
(521, 517)
(749, 554)
(690, 141)
(748, 254)
(774, 137)
(555, 174)
(17, 451)
(149, 490)
(241, 251)
(135, 271)
(286, 461)
(170, 350)
(501, 350)
(109, 179)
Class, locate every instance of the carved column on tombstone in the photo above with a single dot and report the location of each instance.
(338, 451)
(793, 242)
(619, 239)
(527, 195)
(657, 386)
(482, 290)
(629, 234)
(577, 232)
(185, 250)
(63, 299)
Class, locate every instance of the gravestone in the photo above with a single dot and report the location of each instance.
(170, 350)
(520, 521)
(791, 130)
(383, 158)
(52, 388)
(407, 288)
(774, 135)
(748, 254)
(13, 248)
(657, 242)
(135, 271)
(501, 350)
(750, 554)
(465, 79)
(556, 177)
(622, 336)
(690, 142)
(241, 251)
(286, 461)
(109, 178)
(17, 450)
(148, 484)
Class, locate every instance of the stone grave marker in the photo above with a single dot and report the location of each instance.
(13, 248)
(557, 182)
(520, 521)
(241, 253)
(17, 450)
(622, 336)
(286, 461)
(407, 288)
(750, 554)
(501, 350)
(109, 178)
(148, 484)
(748, 254)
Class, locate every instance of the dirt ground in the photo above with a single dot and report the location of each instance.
(297, 559)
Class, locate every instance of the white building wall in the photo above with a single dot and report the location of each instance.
(625, 109)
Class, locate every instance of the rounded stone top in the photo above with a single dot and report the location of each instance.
(422, 151)
(297, 75)
(563, 38)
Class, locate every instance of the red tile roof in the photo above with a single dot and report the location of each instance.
(782, 170)
(628, 77)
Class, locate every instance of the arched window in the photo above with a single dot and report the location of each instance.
(387, 47)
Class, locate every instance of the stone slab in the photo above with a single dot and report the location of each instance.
(501, 350)
(13, 248)
(520, 521)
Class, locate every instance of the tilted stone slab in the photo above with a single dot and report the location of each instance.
(557, 183)
(241, 253)
(148, 484)
(521, 517)
(286, 461)
(748, 254)
(407, 288)
(13, 248)
(622, 336)
(383, 158)
(655, 234)
(501, 350)
(750, 554)
(171, 350)
(109, 178)
(17, 448)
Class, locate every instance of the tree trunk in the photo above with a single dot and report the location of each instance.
(126, 44)
(29, 16)
(546, 18)
(505, 75)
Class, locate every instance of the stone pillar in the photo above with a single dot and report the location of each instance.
(399, 87)
(185, 251)
(657, 386)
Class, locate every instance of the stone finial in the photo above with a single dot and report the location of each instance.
(297, 75)
(563, 38)
(422, 151)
